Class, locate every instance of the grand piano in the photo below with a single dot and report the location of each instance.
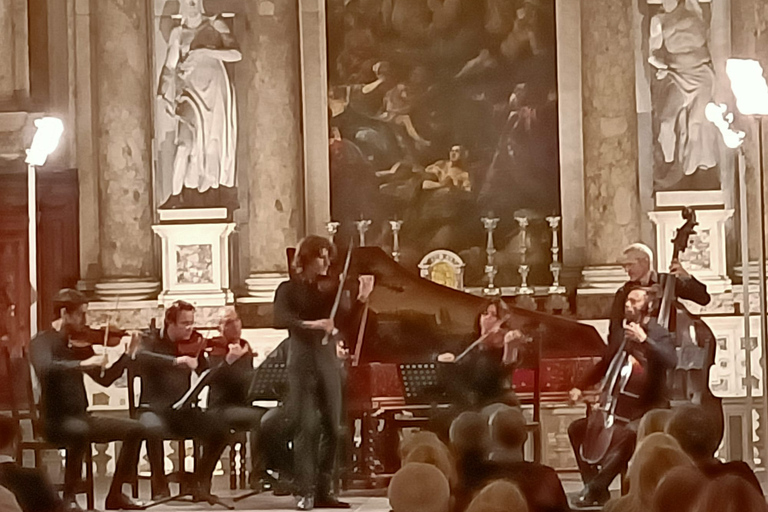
(410, 320)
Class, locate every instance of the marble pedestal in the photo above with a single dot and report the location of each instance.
(195, 255)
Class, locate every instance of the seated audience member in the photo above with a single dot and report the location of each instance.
(438, 456)
(33, 490)
(411, 440)
(654, 458)
(418, 487)
(730, 493)
(499, 496)
(654, 420)
(539, 484)
(470, 443)
(678, 490)
(8, 501)
(699, 437)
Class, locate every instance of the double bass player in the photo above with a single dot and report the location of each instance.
(632, 324)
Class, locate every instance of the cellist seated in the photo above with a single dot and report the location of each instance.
(604, 442)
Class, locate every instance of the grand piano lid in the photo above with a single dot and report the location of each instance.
(399, 293)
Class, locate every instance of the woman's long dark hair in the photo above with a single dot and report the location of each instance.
(309, 248)
(502, 310)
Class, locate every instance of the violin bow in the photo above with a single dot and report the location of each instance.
(480, 340)
(340, 291)
(106, 336)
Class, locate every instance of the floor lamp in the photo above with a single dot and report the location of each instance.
(45, 142)
(751, 92)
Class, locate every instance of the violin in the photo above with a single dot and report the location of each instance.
(109, 337)
(192, 347)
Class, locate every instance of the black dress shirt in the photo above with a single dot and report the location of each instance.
(57, 366)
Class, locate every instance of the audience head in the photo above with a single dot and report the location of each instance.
(418, 487)
(70, 305)
(730, 493)
(436, 455)
(678, 490)
(508, 432)
(10, 434)
(180, 321)
(469, 433)
(411, 440)
(230, 326)
(696, 430)
(499, 496)
(653, 421)
(653, 459)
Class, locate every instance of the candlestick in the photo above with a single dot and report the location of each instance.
(555, 267)
(396, 225)
(333, 228)
(362, 226)
(490, 223)
(523, 269)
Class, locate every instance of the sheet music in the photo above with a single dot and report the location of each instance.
(195, 382)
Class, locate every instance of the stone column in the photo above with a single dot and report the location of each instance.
(123, 126)
(6, 50)
(272, 127)
(610, 136)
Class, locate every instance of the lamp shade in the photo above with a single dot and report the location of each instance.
(748, 86)
(45, 141)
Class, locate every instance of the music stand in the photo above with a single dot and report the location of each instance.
(269, 382)
(421, 382)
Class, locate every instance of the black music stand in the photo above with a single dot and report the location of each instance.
(269, 382)
(421, 382)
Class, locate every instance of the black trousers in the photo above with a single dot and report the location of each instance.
(315, 410)
(211, 430)
(276, 433)
(76, 433)
(599, 476)
(242, 418)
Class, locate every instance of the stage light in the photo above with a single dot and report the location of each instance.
(720, 117)
(45, 141)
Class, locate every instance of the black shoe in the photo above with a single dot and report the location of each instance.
(120, 501)
(70, 504)
(330, 501)
(589, 498)
(306, 503)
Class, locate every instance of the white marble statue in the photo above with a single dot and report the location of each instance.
(197, 92)
(686, 83)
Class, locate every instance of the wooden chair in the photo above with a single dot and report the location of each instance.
(24, 407)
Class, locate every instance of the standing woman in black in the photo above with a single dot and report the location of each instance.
(303, 305)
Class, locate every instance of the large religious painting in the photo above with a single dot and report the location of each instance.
(683, 82)
(196, 109)
(444, 112)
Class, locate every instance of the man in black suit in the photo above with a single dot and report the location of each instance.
(31, 486)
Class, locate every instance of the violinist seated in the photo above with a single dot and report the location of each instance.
(232, 359)
(650, 351)
(60, 356)
(166, 360)
(480, 375)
